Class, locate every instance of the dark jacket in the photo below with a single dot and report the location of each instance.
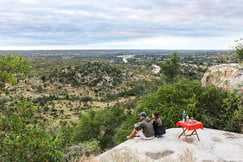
(147, 126)
(159, 130)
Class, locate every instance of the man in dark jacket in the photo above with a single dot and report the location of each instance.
(144, 128)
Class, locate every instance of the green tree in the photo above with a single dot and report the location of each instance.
(171, 67)
(218, 108)
(239, 49)
(11, 68)
(88, 128)
(22, 140)
(99, 125)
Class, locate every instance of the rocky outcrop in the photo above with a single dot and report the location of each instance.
(214, 145)
(227, 76)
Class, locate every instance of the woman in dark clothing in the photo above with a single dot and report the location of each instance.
(158, 124)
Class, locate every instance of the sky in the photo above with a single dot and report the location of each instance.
(120, 24)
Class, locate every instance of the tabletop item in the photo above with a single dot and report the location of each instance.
(187, 118)
(184, 116)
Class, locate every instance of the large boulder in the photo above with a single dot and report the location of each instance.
(227, 76)
(214, 145)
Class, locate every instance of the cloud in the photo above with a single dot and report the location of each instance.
(82, 23)
(29, 1)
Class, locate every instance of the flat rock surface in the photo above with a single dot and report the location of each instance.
(214, 145)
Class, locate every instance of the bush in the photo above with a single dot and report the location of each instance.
(30, 144)
(22, 140)
(4, 100)
(82, 149)
(99, 125)
(12, 66)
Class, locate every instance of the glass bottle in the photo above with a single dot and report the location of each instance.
(184, 116)
(187, 118)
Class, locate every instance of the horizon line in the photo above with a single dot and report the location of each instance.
(74, 49)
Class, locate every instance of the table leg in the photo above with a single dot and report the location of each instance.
(197, 135)
(194, 132)
(183, 132)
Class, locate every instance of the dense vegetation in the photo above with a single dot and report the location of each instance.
(94, 74)
(83, 106)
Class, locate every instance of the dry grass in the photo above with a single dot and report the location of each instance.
(85, 159)
(187, 156)
(119, 156)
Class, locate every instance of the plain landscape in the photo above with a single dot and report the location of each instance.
(74, 75)
(84, 102)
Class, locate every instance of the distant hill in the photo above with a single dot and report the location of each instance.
(94, 74)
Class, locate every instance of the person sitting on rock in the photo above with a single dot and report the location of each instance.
(143, 129)
(158, 124)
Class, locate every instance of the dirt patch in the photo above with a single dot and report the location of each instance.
(188, 140)
(159, 155)
(229, 135)
(216, 139)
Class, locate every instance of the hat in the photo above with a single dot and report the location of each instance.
(142, 114)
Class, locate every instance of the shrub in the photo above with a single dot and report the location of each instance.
(99, 125)
(12, 66)
(22, 140)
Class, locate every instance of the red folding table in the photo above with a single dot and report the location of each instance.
(189, 126)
